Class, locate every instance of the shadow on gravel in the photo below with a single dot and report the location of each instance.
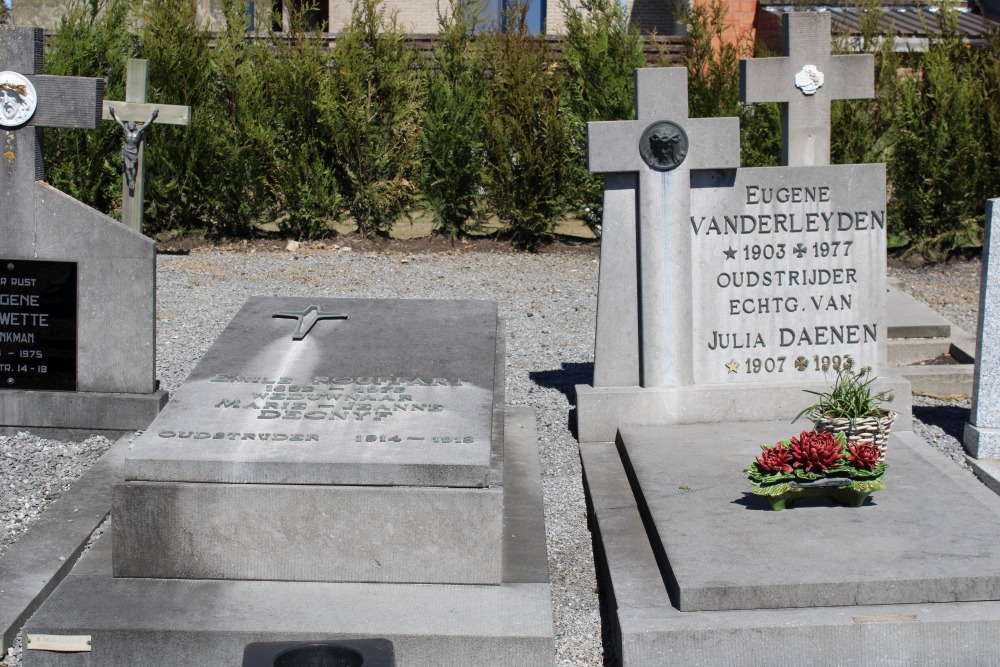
(949, 418)
(565, 379)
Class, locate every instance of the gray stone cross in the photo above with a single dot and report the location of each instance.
(664, 209)
(805, 81)
(135, 109)
(62, 101)
(307, 318)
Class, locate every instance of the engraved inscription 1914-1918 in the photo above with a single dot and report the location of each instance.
(38, 320)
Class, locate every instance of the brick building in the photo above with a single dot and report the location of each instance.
(415, 16)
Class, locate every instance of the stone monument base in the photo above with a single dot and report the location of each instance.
(698, 571)
(982, 443)
(148, 621)
(600, 409)
(91, 412)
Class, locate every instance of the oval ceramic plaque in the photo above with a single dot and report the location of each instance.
(17, 99)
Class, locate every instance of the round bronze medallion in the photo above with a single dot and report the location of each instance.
(663, 145)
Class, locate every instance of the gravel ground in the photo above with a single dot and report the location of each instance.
(549, 303)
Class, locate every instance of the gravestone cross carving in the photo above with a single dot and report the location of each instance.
(307, 318)
(805, 81)
(135, 110)
(662, 146)
(30, 101)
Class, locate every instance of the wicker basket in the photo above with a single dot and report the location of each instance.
(861, 429)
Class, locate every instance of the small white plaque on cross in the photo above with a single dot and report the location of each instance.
(805, 81)
(135, 110)
(652, 147)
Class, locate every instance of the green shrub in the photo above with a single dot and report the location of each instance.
(241, 137)
(526, 135)
(370, 105)
(601, 52)
(179, 162)
(451, 174)
(713, 63)
(301, 161)
(92, 39)
(940, 154)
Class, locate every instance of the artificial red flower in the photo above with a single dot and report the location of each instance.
(774, 459)
(863, 454)
(815, 451)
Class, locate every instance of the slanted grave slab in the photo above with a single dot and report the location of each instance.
(373, 441)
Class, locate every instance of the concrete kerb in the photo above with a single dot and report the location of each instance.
(210, 621)
(40, 559)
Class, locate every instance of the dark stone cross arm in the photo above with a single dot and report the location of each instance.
(62, 101)
(67, 101)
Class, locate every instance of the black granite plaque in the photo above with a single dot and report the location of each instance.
(37, 325)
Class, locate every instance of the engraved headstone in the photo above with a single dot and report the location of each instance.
(784, 275)
(982, 432)
(77, 310)
(385, 409)
(331, 468)
(804, 81)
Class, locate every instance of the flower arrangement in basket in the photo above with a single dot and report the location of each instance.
(851, 408)
(817, 464)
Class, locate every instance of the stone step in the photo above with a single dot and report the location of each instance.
(910, 318)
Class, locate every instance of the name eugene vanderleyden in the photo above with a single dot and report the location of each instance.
(768, 258)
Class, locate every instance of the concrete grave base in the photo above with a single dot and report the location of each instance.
(600, 409)
(641, 576)
(139, 622)
(982, 442)
(79, 411)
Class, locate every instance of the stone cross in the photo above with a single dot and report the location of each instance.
(805, 81)
(982, 431)
(59, 101)
(307, 318)
(135, 109)
(653, 146)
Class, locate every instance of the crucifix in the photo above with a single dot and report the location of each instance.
(30, 101)
(135, 115)
(805, 81)
(662, 146)
(307, 318)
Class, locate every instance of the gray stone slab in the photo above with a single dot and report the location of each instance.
(910, 318)
(908, 351)
(942, 380)
(788, 271)
(299, 532)
(929, 537)
(403, 392)
(647, 630)
(39, 560)
(985, 413)
(208, 622)
(616, 360)
(601, 411)
(90, 412)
